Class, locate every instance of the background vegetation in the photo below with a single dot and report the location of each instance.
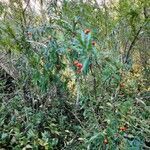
(75, 75)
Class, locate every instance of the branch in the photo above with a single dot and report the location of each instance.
(132, 44)
(26, 6)
(134, 40)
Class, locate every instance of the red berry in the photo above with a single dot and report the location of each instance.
(87, 31)
(79, 65)
(122, 128)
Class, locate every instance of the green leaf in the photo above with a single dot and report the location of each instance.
(30, 133)
(28, 146)
(94, 137)
(86, 65)
(4, 135)
(83, 37)
(54, 141)
(88, 42)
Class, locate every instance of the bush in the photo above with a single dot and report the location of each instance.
(79, 85)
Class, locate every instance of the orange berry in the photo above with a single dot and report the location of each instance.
(79, 65)
(93, 43)
(75, 62)
(105, 141)
(122, 128)
(87, 31)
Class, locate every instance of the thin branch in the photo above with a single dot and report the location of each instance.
(132, 44)
(26, 6)
(134, 41)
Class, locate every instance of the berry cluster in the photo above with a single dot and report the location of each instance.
(78, 65)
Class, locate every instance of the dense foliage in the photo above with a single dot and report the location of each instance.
(82, 78)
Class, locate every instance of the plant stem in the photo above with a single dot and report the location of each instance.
(78, 94)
